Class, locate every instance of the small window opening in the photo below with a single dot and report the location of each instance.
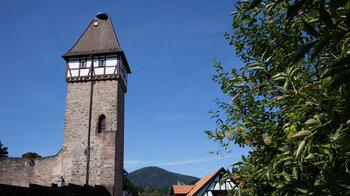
(101, 125)
(102, 62)
(82, 63)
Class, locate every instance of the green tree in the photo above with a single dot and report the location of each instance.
(154, 191)
(130, 187)
(31, 155)
(291, 102)
(3, 150)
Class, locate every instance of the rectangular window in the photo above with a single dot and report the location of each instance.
(83, 63)
(102, 62)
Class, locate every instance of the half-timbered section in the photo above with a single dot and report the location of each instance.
(97, 55)
(206, 186)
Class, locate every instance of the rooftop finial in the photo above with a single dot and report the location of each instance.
(102, 15)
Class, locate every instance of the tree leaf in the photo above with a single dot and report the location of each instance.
(326, 17)
(302, 50)
(301, 133)
(236, 96)
(341, 79)
(258, 68)
(310, 157)
(243, 158)
(347, 19)
(294, 9)
(319, 47)
(312, 122)
(279, 76)
(300, 147)
(286, 85)
(341, 62)
(287, 177)
(336, 70)
(310, 29)
(302, 190)
(295, 173)
(253, 4)
(237, 163)
(268, 175)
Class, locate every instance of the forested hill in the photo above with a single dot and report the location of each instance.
(157, 177)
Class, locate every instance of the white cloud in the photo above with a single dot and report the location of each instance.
(144, 163)
(190, 161)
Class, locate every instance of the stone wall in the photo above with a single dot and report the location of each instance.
(23, 171)
(47, 170)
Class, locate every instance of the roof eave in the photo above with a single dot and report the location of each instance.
(217, 172)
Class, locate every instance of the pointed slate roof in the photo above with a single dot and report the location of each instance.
(97, 39)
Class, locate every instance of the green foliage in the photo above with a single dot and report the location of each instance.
(31, 155)
(154, 191)
(3, 150)
(291, 102)
(130, 187)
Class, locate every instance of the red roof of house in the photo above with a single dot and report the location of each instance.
(182, 189)
(193, 189)
(202, 182)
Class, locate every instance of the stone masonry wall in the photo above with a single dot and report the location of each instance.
(23, 171)
(16, 171)
(102, 145)
(47, 170)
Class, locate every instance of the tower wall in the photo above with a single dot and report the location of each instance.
(106, 148)
(119, 151)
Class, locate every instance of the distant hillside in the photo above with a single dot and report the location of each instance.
(157, 177)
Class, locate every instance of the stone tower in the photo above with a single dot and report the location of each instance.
(93, 143)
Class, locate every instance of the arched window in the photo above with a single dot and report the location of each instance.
(101, 125)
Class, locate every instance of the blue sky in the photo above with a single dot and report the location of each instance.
(169, 46)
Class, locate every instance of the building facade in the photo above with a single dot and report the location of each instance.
(93, 142)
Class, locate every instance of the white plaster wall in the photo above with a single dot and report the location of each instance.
(84, 72)
(88, 63)
(74, 73)
(110, 70)
(99, 71)
(95, 62)
(73, 64)
(111, 61)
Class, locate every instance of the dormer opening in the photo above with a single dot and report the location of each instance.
(95, 23)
